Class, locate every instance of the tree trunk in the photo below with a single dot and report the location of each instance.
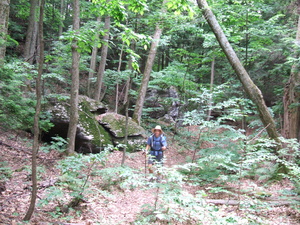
(4, 16)
(250, 88)
(117, 85)
(127, 120)
(31, 35)
(61, 22)
(146, 76)
(291, 98)
(212, 77)
(75, 82)
(37, 118)
(137, 114)
(93, 63)
(102, 64)
(130, 68)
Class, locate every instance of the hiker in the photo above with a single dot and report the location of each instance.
(157, 144)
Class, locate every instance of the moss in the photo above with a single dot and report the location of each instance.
(99, 136)
(92, 131)
(117, 125)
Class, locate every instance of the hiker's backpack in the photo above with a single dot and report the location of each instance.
(160, 139)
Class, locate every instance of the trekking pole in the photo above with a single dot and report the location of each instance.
(145, 164)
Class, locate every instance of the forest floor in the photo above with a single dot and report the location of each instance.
(115, 205)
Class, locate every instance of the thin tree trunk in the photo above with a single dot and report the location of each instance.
(117, 85)
(31, 35)
(137, 114)
(93, 62)
(102, 64)
(291, 98)
(146, 76)
(212, 77)
(162, 60)
(130, 68)
(126, 122)
(36, 118)
(4, 16)
(61, 22)
(75, 82)
(250, 88)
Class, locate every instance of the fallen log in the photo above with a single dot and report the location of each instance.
(273, 202)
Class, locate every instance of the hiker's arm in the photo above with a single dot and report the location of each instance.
(148, 145)
(146, 150)
(164, 143)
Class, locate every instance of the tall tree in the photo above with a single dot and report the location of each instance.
(212, 77)
(137, 114)
(75, 81)
(93, 61)
(36, 128)
(291, 98)
(4, 14)
(62, 11)
(250, 88)
(101, 69)
(31, 35)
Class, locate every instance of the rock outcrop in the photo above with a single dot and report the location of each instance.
(164, 104)
(116, 125)
(96, 129)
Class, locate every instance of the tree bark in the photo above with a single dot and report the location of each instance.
(250, 88)
(104, 50)
(130, 68)
(31, 35)
(75, 82)
(137, 114)
(212, 77)
(62, 12)
(117, 85)
(126, 122)
(146, 76)
(37, 117)
(4, 16)
(93, 63)
(291, 98)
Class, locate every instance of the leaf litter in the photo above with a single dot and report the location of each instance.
(114, 206)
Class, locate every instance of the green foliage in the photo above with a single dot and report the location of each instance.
(174, 205)
(58, 144)
(174, 75)
(41, 170)
(5, 171)
(121, 178)
(16, 109)
(262, 160)
(74, 180)
(119, 9)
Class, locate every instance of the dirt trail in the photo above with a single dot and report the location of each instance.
(114, 207)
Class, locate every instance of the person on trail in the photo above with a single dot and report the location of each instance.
(157, 144)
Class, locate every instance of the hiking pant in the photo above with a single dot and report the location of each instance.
(156, 156)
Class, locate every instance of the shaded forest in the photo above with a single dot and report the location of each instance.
(82, 83)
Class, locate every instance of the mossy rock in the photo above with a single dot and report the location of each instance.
(90, 130)
(116, 124)
(90, 136)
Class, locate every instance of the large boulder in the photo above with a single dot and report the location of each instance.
(91, 137)
(116, 125)
(163, 104)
